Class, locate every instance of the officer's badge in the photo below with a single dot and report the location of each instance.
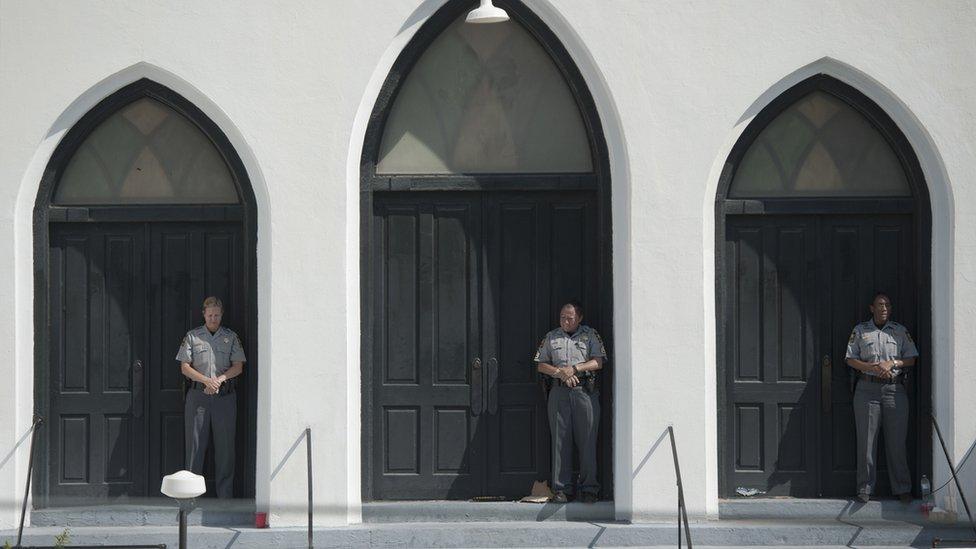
(226, 340)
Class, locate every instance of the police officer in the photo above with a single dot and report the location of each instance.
(211, 357)
(571, 354)
(880, 350)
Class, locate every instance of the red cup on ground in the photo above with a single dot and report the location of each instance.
(260, 520)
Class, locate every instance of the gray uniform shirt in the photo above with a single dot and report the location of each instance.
(561, 349)
(872, 344)
(211, 354)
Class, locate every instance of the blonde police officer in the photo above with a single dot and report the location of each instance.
(571, 354)
(211, 356)
(880, 350)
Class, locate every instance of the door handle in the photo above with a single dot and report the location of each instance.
(492, 391)
(137, 388)
(826, 378)
(476, 387)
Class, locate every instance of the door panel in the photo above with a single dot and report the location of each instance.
(428, 390)
(865, 254)
(97, 311)
(773, 405)
(795, 287)
(188, 262)
(540, 249)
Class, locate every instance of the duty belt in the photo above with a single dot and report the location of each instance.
(228, 387)
(876, 379)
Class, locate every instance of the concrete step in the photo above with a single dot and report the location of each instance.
(208, 512)
(520, 534)
(468, 511)
(833, 509)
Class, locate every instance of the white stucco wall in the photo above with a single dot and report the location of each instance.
(292, 83)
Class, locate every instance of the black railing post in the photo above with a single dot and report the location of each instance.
(308, 460)
(682, 511)
(30, 469)
(952, 468)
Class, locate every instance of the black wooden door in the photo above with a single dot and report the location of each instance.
(189, 261)
(428, 391)
(865, 254)
(467, 285)
(121, 298)
(795, 286)
(96, 431)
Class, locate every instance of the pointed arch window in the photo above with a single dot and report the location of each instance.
(820, 147)
(484, 99)
(146, 153)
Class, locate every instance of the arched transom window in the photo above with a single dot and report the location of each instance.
(146, 153)
(484, 99)
(818, 147)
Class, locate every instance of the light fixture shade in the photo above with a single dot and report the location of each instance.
(486, 13)
(183, 485)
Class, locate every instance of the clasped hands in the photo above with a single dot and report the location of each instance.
(565, 373)
(212, 384)
(882, 369)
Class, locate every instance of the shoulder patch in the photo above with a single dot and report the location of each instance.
(853, 336)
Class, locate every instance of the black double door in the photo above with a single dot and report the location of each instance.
(794, 288)
(466, 284)
(121, 297)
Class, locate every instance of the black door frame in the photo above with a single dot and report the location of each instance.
(46, 212)
(598, 179)
(918, 205)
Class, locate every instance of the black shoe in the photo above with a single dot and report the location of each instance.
(559, 497)
(863, 498)
(588, 497)
(905, 498)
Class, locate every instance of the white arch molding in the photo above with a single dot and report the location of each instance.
(941, 203)
(24, 249)
(620, 179)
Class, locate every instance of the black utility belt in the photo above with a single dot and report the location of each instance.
(226, 388)
(875, 379)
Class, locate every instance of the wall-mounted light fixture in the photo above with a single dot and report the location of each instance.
(486, 13)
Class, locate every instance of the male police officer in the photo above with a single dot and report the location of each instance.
(880, 350)
(571, 354)
(210, 356)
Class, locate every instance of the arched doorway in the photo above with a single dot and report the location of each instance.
(485, 205)
(144, 210)
(822, 203)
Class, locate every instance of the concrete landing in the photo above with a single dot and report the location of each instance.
(502, 511)
(520, 534)
(158, 512)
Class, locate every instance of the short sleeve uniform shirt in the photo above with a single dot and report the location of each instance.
(561, 349)
(211, 354)
(870, 343)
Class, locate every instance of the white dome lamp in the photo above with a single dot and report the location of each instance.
(486, 13)
(184, 487)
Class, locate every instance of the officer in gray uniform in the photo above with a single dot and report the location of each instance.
(211, 356)
(571, 354)
(880, 350)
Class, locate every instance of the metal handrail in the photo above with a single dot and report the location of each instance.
(308, 461)
(952, 469)
(30, 469)
(682, 510)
